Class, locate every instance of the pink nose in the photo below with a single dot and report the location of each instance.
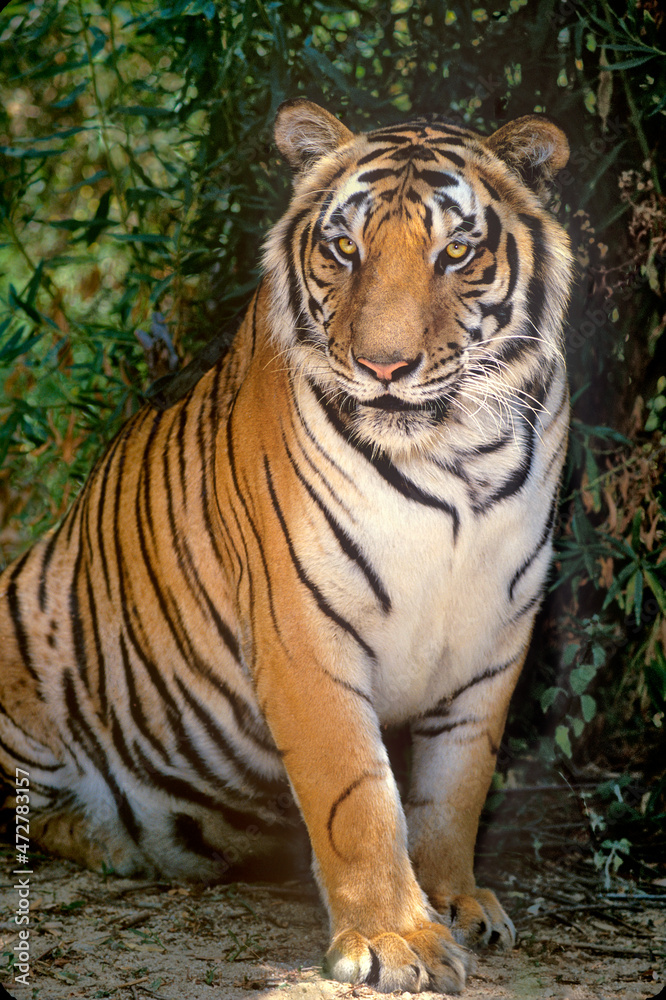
(383, 372)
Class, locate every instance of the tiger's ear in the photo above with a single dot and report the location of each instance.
(304, 132)
(534, 147)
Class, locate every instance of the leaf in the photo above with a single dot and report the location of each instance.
(66, 102)
(101, 220)
(563, 740)
(15, 300)
(15, 346)
(638, 597)
(569, 653)
(98, 176)
(618, 583)
(154, 238)
(29, 154)
(656, 588)
(578, 726)
(629, 595)
(33, 286)
(99, 40)
(581, 677)
(549, 696)
(598, 655)
(631, 63)
(588, 707)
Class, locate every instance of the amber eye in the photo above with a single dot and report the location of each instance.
(456, 250)
(346, 246)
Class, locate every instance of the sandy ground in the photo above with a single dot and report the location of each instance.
(93, 936)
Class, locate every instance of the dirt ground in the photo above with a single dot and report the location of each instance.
(95, 936)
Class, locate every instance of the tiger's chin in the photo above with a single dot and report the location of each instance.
(400, 430)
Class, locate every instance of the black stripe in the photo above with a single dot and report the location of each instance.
(152, 671)
(502, 312)
(375, 971)
(48, 555)
(536, 291)
(444, 727)
(165, 601)
(87, 740)
(209, 422)
(76, 622)
(489, 188)
(186, 792)
(186, 561)
(446, 203)
(515, 482)
(513, 262)
(241, 496)
(486, 675)
(386, 469)
(346, 543)
(101, 663)
(174, 786)
(14, 608)
(210, 727)
(437, 178)
(392, 134)
(135, 705)
(317, 227)
(188, 834)
(532, 603)
(370, 176)
(374, 155)
(322, 603)
(182, 453)
(358, 198)
(427, 219)
(487, 449)
(19, 756)
(545, 535)
(494, 229)
(372, 775)
(101, 548)
(453, 157)
(488, 276)
(288, 250)
(451, 136)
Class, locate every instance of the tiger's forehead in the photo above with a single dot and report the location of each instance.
(415, 171)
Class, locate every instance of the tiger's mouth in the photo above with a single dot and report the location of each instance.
(433, 409)
(392, 404)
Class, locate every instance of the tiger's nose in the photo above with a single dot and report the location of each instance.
(389, 372)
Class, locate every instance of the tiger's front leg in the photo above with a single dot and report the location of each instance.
(382, 928)
(453, 760)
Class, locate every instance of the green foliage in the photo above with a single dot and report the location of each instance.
(138, 177)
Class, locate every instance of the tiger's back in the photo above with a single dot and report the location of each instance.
(346, 524)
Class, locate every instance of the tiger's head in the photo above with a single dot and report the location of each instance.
(417, 277)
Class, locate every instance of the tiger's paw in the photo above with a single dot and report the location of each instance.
(426, 959)
(476, 920)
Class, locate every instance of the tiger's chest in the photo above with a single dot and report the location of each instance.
(442, 608)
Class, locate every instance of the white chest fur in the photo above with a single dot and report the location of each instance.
(447, 569)
(450, 605)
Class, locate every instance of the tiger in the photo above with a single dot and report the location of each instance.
(345, 525)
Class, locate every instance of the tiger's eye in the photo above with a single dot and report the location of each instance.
(346, 246)
(456, 250)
